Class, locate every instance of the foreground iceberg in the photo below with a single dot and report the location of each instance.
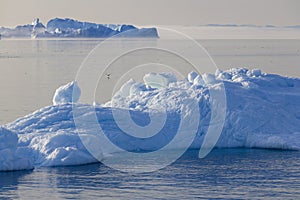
(262, 112)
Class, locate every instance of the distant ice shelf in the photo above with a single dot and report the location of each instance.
(70, 28)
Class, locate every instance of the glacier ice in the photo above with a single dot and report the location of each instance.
(262, 112)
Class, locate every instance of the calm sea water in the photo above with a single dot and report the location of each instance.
(223, 174)
(31, 70)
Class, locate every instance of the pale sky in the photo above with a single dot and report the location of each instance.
(154, 12)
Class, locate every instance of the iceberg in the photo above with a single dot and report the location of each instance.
(71, 28)
(262, 112)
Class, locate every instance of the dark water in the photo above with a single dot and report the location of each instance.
(223, 174)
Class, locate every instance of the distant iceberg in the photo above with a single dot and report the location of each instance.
(75, 29)
(262, 112)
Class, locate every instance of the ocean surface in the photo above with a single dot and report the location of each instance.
(224, 174)
(31, 70)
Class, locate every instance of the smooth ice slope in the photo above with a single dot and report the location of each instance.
(262, 112)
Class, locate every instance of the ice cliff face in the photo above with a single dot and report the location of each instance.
(72, 28)
(262, 112)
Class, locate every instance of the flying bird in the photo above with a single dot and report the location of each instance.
(107, 76)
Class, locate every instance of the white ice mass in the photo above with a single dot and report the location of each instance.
(71, 28)
(67, 93)
(11, 156)
(161, 80)
(263, 111)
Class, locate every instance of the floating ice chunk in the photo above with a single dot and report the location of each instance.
(191, 76)
(67, 93)
(159, 80)
(10, 157)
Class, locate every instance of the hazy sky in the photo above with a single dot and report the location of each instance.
(154, 12)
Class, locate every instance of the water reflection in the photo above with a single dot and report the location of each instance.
(225, 173)
(9, 182)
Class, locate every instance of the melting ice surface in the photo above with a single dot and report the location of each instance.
(263, 111)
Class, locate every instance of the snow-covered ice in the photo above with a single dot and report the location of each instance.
(67, 93)
(262, 112)
(71, 28)
(11, 156)
(159, 80)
